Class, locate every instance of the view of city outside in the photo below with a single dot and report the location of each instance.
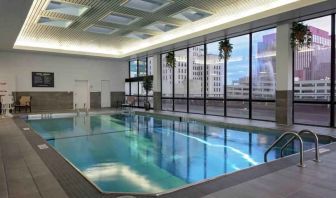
(263, 60)
(312, 73)
(139, 68)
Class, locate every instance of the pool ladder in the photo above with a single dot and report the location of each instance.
(293, 137)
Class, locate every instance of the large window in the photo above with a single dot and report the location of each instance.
(312, 76)
(138, 69)
(181, 81)
(263, 74)
(215, 75)
(196, 79)
(237, 81)
(243, 86)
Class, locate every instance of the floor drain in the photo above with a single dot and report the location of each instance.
(42, 146)
(26, 129)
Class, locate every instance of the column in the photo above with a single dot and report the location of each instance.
(157, 82)
(284, 75)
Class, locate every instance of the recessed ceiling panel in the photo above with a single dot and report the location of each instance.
(141, 24)
(161, 26)
(147, 5)
(66, 8)
(191, 14)
(119, 19)
(138, 35)
(100, 29)
(54, 22)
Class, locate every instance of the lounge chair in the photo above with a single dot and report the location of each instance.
(23, 103)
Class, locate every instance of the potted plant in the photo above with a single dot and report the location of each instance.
(147, 86)
(170, 58)
(300, 36)
(225, 49)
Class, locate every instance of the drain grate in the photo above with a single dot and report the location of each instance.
(26, 129)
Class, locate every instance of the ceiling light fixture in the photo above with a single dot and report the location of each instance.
(63, 23)
(146, 5)
(66, 8)
(100, 29)
(120, 19)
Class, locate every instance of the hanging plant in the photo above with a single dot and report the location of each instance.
(170, 59)
(225, 49)
(300, 36)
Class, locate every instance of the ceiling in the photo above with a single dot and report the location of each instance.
(74, 39)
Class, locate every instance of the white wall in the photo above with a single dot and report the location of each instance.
(17, 68)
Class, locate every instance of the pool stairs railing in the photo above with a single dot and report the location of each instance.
(78, 110)
(292, 138)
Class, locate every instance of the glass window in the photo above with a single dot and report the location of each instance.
(314, 114)
(134, 89)
(214, 72)
(134, 68)
(263, 110)
(180, 72)
(215, 107)
(167, 104)
(142, 91)
(312, 65)
(196, 72)
(238, 69)
(167, 78)
(142, 67)
(150, 66)
(312, 75)
(263, 64)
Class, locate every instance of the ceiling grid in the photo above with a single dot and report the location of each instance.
(117, 42)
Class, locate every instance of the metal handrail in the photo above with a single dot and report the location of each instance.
(279, 139)
(317, 155)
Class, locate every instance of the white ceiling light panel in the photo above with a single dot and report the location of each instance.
(54, 22)
(138, 35)
(120, 19)
(161, 26)
(147, 5)
(100, 30)
(66, 8)
(191, 14)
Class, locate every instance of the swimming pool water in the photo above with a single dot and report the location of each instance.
(142, 154)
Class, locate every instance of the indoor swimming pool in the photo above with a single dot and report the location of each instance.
(144, 154)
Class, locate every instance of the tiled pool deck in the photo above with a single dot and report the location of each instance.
(26, 171)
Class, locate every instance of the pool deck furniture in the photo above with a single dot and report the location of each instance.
(23, 103)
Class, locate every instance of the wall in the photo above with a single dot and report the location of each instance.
(17, 68)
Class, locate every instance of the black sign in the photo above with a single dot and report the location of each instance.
(42, 79)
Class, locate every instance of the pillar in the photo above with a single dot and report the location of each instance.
(284, 75)
(157, 82)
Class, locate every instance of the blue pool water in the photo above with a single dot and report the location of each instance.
(123, 153)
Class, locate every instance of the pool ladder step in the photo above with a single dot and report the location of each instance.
(294, 136)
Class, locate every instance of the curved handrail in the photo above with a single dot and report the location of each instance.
(279, 139)
(317, 155)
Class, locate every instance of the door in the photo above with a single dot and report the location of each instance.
(81, 94)
(105, 94)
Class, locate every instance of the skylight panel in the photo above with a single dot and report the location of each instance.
(191, 14)
(100, 30)
(120, 19)
(161, 26)
(138, 35)
(66, 8)
(147, 5)
(54, 22)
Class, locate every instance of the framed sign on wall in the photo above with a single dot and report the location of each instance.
(42, 79)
